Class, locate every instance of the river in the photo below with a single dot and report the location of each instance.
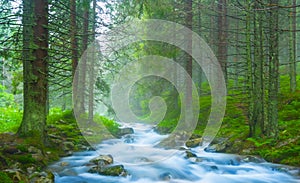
(146, 163)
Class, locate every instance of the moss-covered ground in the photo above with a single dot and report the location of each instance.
(64, 137)
(235, 128)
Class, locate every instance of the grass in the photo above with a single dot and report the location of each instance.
(10, 119)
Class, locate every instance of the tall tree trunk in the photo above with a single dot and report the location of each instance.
(199, 74)
(73, 33)
(292, 47)
(74, 49)
(189, 59)
(257, 121)
(236, 59)
(261, 70)
(222, 36)
(91, 70)
(35, 68)
(273, 87)
(249, 72)
(83, 61)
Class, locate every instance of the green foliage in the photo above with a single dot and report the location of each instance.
(5, 178)
(26, 159)
(22, 148)
(56, 114)
(10, 119)
(17, 79)
(10, 115)
(111, 125)
(260, 142)
(166, 126)
(6, 99)
(285, 83)
(289, 108)
(205, 104)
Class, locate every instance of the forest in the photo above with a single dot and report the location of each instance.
(149, 91)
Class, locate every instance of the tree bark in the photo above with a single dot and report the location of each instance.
(250, 86)
(189, 59)
(292, 47)
(73, 32)
(92, 69)
(257, 121)
(222, 36)
(273, 85)
(83, 62)
(35, 69)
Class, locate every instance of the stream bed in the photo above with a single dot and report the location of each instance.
(147, 163)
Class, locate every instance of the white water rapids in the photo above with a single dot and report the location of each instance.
(148, 164)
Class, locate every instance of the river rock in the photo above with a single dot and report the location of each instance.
(88, 132)
(124, 131)
(83, 147)
(165, 176)
(42, 177)
(16, 174)
(218, 145)
(102, 160)
(16, 165)
(193, 142)
(116, 170)
(192, 157)
(189, 154)
(34, 150)
(30, 169)
(36, 153)
(38, 156)
(64, 163)
(67, 146)
(56, 168)
(216, 148)
(214, 168)
(68, 172)
(68, 153)
(253, 159)
(294, 171)
(128, 139)
(11, 150)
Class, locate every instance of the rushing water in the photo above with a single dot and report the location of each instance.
(147, 164)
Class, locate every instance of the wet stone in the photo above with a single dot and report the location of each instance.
(124, 131)
(189, 154)
(116, 170)
(193, 142)
(102, 159)
(165, 176)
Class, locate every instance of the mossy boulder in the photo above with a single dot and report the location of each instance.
(102, 160)
(124, 131)
(193, 142)
(116, 170)
(189, 154)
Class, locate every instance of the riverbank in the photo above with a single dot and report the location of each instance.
(233, 136)
(24, 160)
